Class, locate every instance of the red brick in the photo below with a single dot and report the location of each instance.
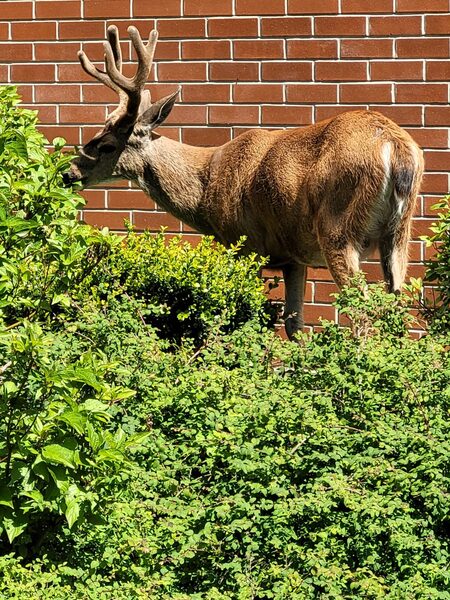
(232, 115)
(181, 28)
(437, 115)
(398, 70)
(210, 136)
(256, 7)
(323, 291)
(34, 31)
(429, 202)
(395, 26)
(26, 92)
(286, 26)
(438, 70)
(207, 7)
(367, 48)
(257, 93)
(370, 92)
(286, 115)
(206, 50)
(232, 28)
(312, 7)
(437, 24)
(97, 93)
(258, 49)
(367, 6)
(286, 71)
(312, 313)
(113, 220)
(233, 71)
(153, 221)
(417, 6)
(306, 49)
(82, 114)
(46, 114)
(70, 134)
(32, 72)
(423, 48)
(403, 115)
(4, 31)
(146, 8)
(187, 115)
(206, 93)
(339, 26)
(82, 30)
(131, 199)
(63, 9)
(16, 11)
(166, 51)
(94, 198)
(437, 160)
(435, 183)
(430, 138)
(183, 71)
(57, 93)
(341, 71)
(3, 73)
(49, 51)
(16, 52)
(429, 93)
(99, 9)
(311, 93)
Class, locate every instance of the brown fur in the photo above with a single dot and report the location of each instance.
(323, 195)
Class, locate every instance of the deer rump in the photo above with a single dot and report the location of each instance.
(323, 195)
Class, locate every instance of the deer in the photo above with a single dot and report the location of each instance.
(323, 195)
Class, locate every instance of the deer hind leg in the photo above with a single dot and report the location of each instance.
(294, 281)
(394, 259)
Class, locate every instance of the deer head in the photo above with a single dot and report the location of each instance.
(105, 156)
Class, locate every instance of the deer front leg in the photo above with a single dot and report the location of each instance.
(294, 281)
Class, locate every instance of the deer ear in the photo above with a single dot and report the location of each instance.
(158, 111)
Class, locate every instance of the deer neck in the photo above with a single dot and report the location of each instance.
(174, 175)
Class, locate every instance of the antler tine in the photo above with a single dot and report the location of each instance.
(94, 72)
(113, 39)
(145, 59)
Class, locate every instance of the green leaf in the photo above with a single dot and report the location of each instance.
(59, 454)
(72, 512)
(75, 419)
(14, 526)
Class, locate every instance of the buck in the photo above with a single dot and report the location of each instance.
(325, 195)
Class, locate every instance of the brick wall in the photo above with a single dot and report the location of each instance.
(241, 64)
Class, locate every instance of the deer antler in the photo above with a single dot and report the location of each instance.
(128, 89)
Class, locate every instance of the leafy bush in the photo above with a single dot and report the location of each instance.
(272, 470)
(186, 291)
(55, 441)
(437, 309)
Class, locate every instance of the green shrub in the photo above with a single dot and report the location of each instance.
(57, 441)
(437, 308)
(272, 470)
(186, 291)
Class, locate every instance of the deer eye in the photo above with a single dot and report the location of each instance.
(107, 148)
